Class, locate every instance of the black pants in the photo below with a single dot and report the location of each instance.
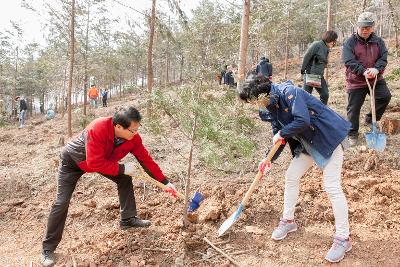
(104, 102)
(68, 176)
(323, 91)
(356, 98)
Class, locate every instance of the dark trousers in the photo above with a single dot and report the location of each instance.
(68, 176)
(323, 91)
(104, 102)
(356, 98)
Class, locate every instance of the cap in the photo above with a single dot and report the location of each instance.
(366, 19)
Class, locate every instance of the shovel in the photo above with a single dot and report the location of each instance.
(235, 216)
(375, 140)
(194, 203)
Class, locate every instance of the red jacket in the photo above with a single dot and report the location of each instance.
(93, 150)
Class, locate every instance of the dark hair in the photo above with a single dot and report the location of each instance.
(125, 116)
(329, 36)
(253, 86)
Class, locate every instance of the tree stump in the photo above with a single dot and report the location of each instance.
(390, 126)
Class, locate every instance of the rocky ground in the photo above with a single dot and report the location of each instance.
(29, 160)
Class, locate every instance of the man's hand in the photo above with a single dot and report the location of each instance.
(129, 168)
(277, 137)
(264, 166)
(367, 73)
(373, 72)
(171, 189)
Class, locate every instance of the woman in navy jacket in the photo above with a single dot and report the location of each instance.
(315, 133)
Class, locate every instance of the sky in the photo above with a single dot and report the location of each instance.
(32, 22)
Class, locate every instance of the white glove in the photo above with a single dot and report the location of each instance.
(277, 137)
(129, 168)
(171, 185)
(373, 71)
(264, 166)
(171, 189)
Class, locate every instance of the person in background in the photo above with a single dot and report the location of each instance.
(316, 134)
(315, 61)
(93, 95)
(104, 97)
(364, 55)
(23, 107)
(99, 148)
(264, 67)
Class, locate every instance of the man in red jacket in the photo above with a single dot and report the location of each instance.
(98, 149)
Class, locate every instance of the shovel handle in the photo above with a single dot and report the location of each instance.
(372, 96)
(145, 177)
(260, 174)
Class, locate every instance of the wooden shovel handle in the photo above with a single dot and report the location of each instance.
(372, 96)
(145, 177)
(260, 174)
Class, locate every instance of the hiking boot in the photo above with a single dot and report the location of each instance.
(338, 250)
(283, 229)
(353, 140)
(47, 258)
(133, 222)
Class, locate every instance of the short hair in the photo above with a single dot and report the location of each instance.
(125, 116)
(329, 36)
(253, 86)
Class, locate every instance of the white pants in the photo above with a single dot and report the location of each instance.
(332, 179)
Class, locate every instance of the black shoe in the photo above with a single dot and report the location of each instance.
(134, 222)
(47, 258)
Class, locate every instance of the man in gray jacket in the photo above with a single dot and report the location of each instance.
(364, 55)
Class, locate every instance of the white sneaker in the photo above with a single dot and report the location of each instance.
(283, 229)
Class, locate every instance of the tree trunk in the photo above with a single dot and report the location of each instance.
(85, 86)
(364, 5)
(287, 42)
(181, 70)
(396, 28)
(150, 48)
(244, 41)
(71, 65)
(13, 104)
(328, 28)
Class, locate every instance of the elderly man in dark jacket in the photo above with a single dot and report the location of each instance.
(364, 55)
(315, 133)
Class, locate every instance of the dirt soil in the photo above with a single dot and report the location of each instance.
(28, 167)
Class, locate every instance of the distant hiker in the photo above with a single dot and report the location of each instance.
(99, 148)
(264, 68)
(104, 96)
(364, 55)
(93, 95)
(23, 107)
(315, 133)
(315, 61)
(222, 75)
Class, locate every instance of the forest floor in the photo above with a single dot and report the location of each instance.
(28, 167)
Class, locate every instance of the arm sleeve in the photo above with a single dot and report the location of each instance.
(299, 111)
(95, 155)
(308, 57)
(146, 161)
(381, 63)
(350, 60)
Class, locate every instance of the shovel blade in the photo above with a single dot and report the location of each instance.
(230, 221)
(376, 140)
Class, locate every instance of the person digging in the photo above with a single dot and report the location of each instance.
(99, 148)
(315, 133)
